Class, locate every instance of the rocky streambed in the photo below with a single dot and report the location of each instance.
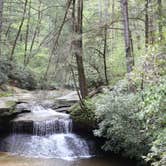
(21, 102)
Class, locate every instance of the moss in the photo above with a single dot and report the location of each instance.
(84, 119)
(5, 94)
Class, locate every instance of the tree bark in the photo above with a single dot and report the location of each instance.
(127, 36)
(105, 54)
(146, 23)
(151, 24)
(78, 47)
(1, 22)
(27, 33)
(107, 4)
(36, 32)
(19, 30)
(160, 19)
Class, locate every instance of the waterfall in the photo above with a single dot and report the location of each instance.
(52, 126)
(49, 136)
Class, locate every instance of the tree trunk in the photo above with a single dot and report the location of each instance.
(1, 21)
(107, 4)
(113, 31)
(105, 54)
(36, 32)
(151, 24)
(146, 23)
(160, 19)
(27, 33)
(19, 30)
(127, 36)
(78, 48)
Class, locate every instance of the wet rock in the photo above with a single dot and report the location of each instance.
(23, 107)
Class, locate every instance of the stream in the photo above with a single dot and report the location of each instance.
(44, 137)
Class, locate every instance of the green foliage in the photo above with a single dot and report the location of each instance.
(153, 106)
(23, 77)
(5, 67)
(134, 124)
(5, 94)
(85, 117)
(157, 154)
(153, 113)
(119, 125)
(16, 74)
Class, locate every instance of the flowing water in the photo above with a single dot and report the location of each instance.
(48, 142)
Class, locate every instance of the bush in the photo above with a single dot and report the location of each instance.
(157, 154)
(5, 67)
(23, 77)
(134, 124)
(119, 124)
(16, 74)
(84, 119)
(153, 113)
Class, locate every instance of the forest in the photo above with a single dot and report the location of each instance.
(82, 82)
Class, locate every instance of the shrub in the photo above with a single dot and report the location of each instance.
(5, 67)
(153, 113)
(84, 118)
(157, 154)
(17, 74)
(119, 124)
(24, 77)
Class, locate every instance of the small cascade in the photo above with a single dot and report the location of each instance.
(42, 122)
(52, 126)
(45, 133)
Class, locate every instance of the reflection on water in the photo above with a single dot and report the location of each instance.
(7, 160)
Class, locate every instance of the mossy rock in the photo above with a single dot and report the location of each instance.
(83, 120)
(7, 94)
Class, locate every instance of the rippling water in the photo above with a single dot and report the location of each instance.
(7, 160)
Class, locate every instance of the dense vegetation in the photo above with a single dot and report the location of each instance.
(118, 45)
(133, 124)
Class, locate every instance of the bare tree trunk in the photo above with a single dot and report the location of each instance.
(113, 31)
(107, 4)
(151, 24)
(160, 19)
(78, 49)
(36, 32)
(151, 30)
(105, 54)
(1, 21)
(146, 23)
(19, 30)
(27, 33)
(127, 36)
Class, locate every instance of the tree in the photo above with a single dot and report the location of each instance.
(127, 36)
(146, 23)
(78, 46)
(19, 30)
(160, 19)
(1, 21)
(107, 4)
